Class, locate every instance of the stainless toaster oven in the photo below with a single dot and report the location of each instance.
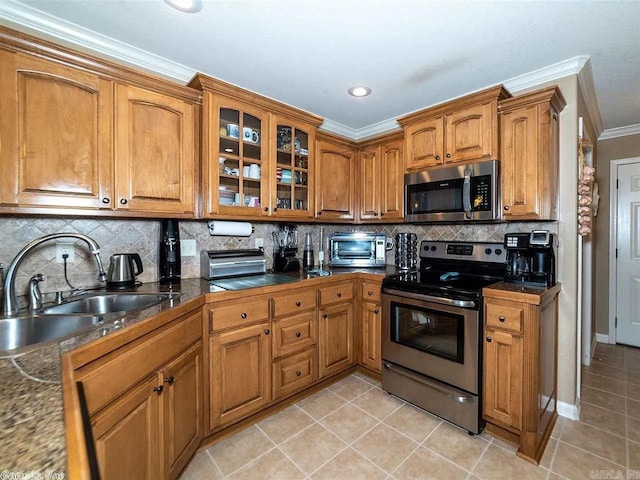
(357, 249)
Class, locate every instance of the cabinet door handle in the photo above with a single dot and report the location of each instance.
(324, 315)
(298, 304)
(267, 331)
(169, 380)
(506, 207)
(298, 373)
(123, 201)
(437, 157)
(376, 311)
(298, 334)
(275, 209)
(158, 389)
(243, 315)
(266, 209)
(339, 294)
(501, 319)
(448, 155)
(319, 213)
(488, 339)
(106, 200)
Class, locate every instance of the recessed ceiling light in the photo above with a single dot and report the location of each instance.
(228, 150)
(190, 6)
(359, 91)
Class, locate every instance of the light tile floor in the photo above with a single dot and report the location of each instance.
(353, 430)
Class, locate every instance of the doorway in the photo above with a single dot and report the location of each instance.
(624, 258)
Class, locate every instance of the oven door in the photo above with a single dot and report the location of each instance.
(439, 340)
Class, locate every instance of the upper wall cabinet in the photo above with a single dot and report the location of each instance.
(381, 180)
(529, 154)
(82, 136)
(335, 174)
(459, 131)
(155, 152)
(56, 130)
(257, 154)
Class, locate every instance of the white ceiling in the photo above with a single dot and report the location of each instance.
(412, 53)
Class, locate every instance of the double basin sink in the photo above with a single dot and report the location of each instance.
(67, 319)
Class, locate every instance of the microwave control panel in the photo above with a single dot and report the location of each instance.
(481, 192)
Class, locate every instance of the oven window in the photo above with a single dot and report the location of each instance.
(353, 248)
(436, 332)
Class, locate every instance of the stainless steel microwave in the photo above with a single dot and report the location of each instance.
(453, 194)
(357, 249)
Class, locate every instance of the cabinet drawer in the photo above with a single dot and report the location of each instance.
(371, 292)
(293, 373)
(238, 314)
(294, 334)
(108, 377)
(294, 302)
(336, 293)
(508, 316)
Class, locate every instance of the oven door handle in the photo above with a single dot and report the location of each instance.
(429, 298)
(458, 397)
(466, 193)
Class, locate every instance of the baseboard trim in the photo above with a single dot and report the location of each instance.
(594, 343)
(568, 410)
(602, 338)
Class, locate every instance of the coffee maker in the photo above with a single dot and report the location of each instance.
(530, 258)
(285, 249)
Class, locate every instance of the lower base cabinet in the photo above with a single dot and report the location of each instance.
(295, 372)
(335, 338)
(371, 326)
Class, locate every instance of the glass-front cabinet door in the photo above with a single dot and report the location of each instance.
(293, 196)
(241, 154)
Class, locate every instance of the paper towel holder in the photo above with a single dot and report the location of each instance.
(244, 229)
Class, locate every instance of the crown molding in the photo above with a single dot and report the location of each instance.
(23, 17)
(610, 133)
(31, 20)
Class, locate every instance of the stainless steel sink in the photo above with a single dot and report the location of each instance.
(109, 303)
(18, 332)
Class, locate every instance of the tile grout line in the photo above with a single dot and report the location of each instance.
(415, 449)
(215, 465)
(591, 453)
(489, 443)
(555, 450)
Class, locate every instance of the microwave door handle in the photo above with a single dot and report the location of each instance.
(466, 193)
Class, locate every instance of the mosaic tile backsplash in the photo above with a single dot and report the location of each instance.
(142, 236)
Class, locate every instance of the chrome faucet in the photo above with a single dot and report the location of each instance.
(35, 296)
(10, 302)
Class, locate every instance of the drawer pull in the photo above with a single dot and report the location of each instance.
(298, 334)
(298, 304)
(324, 315)
(298, 373)
(158, 389)
(369, 293)
(267, 331)
(339, 294)
(488, 339)
(501, 319)
(169, 380)
(376, 311)
(243, 315)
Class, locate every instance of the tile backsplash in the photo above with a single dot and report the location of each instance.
(142, 236)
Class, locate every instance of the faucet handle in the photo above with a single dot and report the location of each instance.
(35, 296)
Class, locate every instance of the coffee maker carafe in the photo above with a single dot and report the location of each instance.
(530, 258)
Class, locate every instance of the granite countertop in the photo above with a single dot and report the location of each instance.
(32, 437)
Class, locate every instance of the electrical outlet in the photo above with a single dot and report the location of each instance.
(68, 248)
(259, 243)
(188, 247)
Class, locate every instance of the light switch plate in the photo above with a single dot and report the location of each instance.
(188, 247)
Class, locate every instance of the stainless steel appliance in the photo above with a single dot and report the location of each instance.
(530, 258)
(461, 193)
(357, 249)
(123, 270)
(169, 262)
(432, 329)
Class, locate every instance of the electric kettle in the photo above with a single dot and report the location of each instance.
(123, 270)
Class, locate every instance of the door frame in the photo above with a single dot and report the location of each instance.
(613, 240)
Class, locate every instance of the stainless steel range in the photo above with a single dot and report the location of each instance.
(432, 326)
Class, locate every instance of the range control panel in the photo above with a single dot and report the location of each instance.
(477, 252)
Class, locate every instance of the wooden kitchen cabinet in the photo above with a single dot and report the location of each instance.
(371, 326)
(520, 363)
(147, 394)
(529, 154)
(240, 378)
(459, 131)
(56, 130)
(335, 179)
(381, 187)
(335, 329)
(155, 155)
